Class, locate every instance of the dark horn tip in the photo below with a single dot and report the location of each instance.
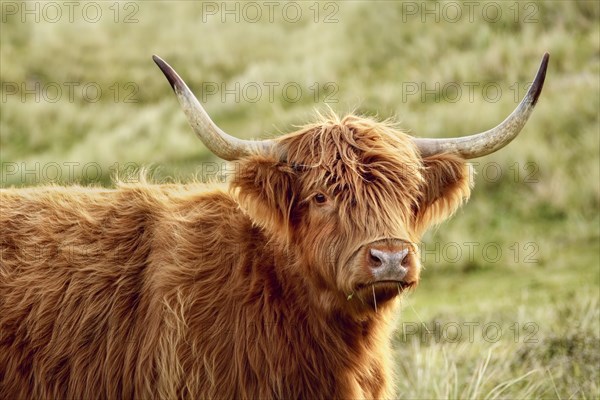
(169, 72)
(538, 82)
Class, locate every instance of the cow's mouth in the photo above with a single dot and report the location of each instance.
(379, 292)
(399, 285)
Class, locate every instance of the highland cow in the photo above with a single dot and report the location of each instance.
(282, 286)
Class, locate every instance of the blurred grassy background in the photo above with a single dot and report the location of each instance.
(541, 212)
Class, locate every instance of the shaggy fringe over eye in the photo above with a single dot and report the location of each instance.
(370, 168)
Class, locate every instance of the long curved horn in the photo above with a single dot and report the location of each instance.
(487, 142)
(220, 143)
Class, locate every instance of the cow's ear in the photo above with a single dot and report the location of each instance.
(447, 182)
(266, 191)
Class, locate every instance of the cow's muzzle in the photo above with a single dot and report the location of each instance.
(388, 265)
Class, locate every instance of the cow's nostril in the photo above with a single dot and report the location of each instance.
(375, 258)
(403, 257)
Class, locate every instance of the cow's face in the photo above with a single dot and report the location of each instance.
(350, 199)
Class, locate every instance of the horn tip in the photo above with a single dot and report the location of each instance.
(169, 72)
(538, 82)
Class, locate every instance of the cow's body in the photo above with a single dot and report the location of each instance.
(165, 291)
(281, 286)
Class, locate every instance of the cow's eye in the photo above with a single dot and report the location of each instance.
(320, 198)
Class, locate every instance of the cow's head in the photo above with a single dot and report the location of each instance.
(349, 198)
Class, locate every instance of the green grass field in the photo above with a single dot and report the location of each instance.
(509, 302)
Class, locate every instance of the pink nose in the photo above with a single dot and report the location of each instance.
(388, 265)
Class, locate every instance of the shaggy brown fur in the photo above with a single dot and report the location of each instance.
(262, 291)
